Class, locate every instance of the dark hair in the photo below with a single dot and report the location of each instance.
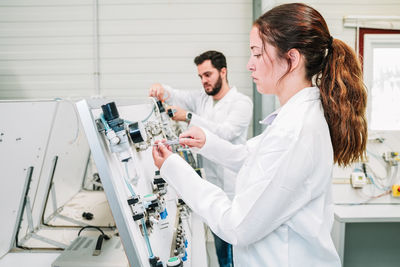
(335, 68)
(218, 59)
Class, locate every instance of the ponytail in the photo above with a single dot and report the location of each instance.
(344, 100)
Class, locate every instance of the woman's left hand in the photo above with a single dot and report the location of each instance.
(160, 153)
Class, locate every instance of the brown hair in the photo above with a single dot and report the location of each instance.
(335, 68)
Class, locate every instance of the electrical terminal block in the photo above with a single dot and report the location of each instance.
(358, 179)
(180, 243)
(391, 157)
(136, 207)
(159, 184)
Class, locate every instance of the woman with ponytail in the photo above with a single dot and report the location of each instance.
(282, 212)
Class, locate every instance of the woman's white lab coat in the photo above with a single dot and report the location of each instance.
(282, 211)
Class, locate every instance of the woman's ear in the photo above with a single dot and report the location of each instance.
(294, 57)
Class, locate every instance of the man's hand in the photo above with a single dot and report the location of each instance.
(160, 153)
(180, 114)
(193, 137)
(157, 90)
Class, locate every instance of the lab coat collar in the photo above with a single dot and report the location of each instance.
(229, 95)
(306, 94)
(231, 92)
(270, 118)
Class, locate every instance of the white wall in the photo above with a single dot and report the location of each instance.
(334, 10)
(47, 46)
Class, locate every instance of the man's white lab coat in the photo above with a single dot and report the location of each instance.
(282, 211)
(229, 119)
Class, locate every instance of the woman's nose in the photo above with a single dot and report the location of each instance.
(250, 66)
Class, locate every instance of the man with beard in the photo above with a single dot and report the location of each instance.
(219, 108)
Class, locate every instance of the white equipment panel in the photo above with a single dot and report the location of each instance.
(155, 236)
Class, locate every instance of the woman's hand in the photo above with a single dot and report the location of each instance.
(160, 153)
(193, 137)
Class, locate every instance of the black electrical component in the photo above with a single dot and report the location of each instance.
(134, 133)
(87, 215)
(160, 106)
(198, 171)
(111, 115)
(170, 113)
(133, 200)
(110, 111)
(158, 180)
(99, 244)
(138, 216)
(364, 168)
(155, 262)
(153, 205)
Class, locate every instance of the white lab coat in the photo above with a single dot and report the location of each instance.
(282, 212)
(229, 119)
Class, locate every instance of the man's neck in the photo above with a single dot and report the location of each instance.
(224, 90)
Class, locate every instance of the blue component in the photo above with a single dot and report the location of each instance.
(186, 243)
(164, 214)
(184, 258)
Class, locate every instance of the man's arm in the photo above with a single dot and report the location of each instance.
(236, 122)
(184, 99)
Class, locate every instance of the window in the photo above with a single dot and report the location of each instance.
(381, 60)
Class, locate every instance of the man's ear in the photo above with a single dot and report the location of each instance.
(294, 57)
(223, 72)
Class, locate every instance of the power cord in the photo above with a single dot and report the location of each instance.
(93, 227)
(99, 243)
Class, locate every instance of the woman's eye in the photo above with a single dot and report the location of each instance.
(257, 56)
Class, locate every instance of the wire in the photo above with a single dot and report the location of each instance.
(372, 181)
(126, 180)
(377, 178)
(146, 237)
(91, 226)
(366, 202)
(152, 109)
(104, 122)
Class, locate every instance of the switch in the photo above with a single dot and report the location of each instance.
(396, 190)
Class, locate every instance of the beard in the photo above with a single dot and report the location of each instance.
(216, 88)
